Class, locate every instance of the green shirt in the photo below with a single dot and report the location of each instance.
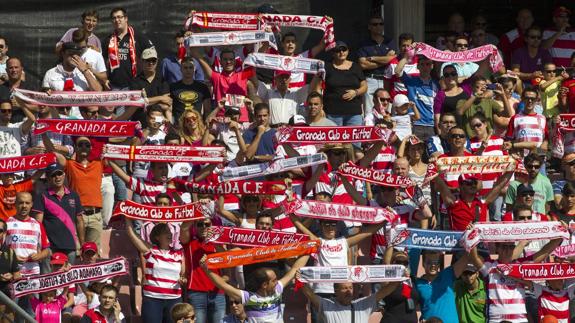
(543, 193)
(487, 106)
(470, 305)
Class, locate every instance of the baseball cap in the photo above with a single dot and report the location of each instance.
(561, 11)
(297, 120)
(267, 8)
(71, 46)
(54, 168)
(399, 100)
(340, 44)
(90, 246)
(58, 258)
(232, 110)
(149, 53)
(281, 73)
(467, 178)
(524, 188)
(471, 268)
(569, 158)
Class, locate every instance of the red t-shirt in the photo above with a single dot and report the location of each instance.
(461, 214)
(570, 84)
(198, 281)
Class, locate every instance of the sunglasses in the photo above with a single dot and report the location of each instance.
(2, 230)
(534, 37)
(227, 59)
(329, 224)
(477, 125)
(452, 74)
(551, 71)
(432, 263)
(192, 118)
(235, 302)
(251, 199)
(384, 99)
(2, 46)
(57, 174)
(377, 24)
(529, 99)
(340, 49)
(84, 144)
(203, 225)
(468, 273)
(533, 166)
(528, 194)
(524, 218)
(457, 136)
(151, 60)
(469, 182)
(6, 111)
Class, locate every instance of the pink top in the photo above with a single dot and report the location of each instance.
(48, 312)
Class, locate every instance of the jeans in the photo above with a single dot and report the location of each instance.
(496, 209)
(107, 189)
(93, 227)
(121, 192)
(155, 310)
(210, 307)
(372, 85)
(346, 120)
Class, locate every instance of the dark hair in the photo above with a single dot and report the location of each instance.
(79, 35)
(159, 229)
(462, 36)
(180, 33)
(377, 91)
(426, 253)
(116, 9)
(531, 158)
(188, 60)
(406, 36)
(531, 89)
(261, 106)
(109, 287)
(533, 28)
(313, 95)
(481, 116)
(478, 78)
(164, 196)
(227, 50)
(91, 13)
(457, 128)
(519, 208)
(172, 136)
(568, 188)
(434, 319)
(264, 215)
(154, 108)
(375, 15)
(288, 34)
(421, 58)
(505, 79)
(449, 65)
(5, 225)
(446, 114)
(257, 278)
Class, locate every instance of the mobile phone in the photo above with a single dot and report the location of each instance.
(492, 86)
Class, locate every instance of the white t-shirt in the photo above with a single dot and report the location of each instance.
(331, 253)
(264, 309)
(95, 59)
(141, 168)
(282, 108)
(334, 312)
(10, 141)
(402, 125)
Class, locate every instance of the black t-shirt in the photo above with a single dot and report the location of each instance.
(155, 88)
(4, 94)
(122, 76)
(17, 114)
(188, 96)
(336, 83)
(8, 264)
(396, 307)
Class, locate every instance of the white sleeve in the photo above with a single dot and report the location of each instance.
(100, 64)
(263, 91)
(487, 266)
(46, 80)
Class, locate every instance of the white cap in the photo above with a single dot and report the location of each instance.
(399, 100)
(149, 53)
(298, 120)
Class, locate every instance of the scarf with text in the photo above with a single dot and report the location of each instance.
(476, 164)
(88, 128)
(239, 21)
(237, 187)
(513, 231)
(412, 238)
(113, 54)
(62, 279)
(178, 213)
(286, 63)
(537, 271)
(82, 99)
(566, 251)
(339, 212)
(231, 38)
(566, 125)
(471, 55)
(276, 166)
(165, 153)
(374, 176)
(236, 258)
(319, 135)
(251, 237)
(26, 163)
(353, 274)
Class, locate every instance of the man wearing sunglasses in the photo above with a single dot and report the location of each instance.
(92, 57)
(83, 176)
(543, 191)
(528, 61)
(525, 199)
(392, 79)
(527, 130)
(465, 69)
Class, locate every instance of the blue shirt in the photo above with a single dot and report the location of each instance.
(371, 48)
(266, 146)
(423, 94)
(171, 72)
(436, 144)
(438, 298)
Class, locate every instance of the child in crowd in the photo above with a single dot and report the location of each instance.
(401, 116)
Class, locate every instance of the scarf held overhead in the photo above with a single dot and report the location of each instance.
(476, 164)
(339, 212)
(238, 187)
(374, 176)
(88, 128)
(165, 153)
(26, 163)
(231, 38)
(236, 258)
(316, 135)
(82, 99)
(353, 274)
(513, 231)
(179, 213)
(538, 272)
(77, 274)
(286, 63)
(251, 237)
(471, 55)
(411, 238)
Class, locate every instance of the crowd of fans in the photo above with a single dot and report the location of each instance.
(54, 218)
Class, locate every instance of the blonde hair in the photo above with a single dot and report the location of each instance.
(180, 311)
(184, 132)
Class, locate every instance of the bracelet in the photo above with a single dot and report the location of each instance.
(356, 92)
(512, 145)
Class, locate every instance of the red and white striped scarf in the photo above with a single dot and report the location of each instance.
(113, 57)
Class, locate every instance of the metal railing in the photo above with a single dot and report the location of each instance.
(20, 313)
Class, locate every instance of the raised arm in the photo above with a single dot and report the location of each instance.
(355, 195)
(302, 228)
(300, 262)
(230, 290)
(371, 154)
(311, 296)
(366, 232)
(446, 194)
(205, 66)
(499, 185)
(227, 214)
(52, 149)
(140, 245)
(119, 171)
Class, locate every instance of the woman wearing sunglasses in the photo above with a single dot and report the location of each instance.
(191, 128)
(447, 98)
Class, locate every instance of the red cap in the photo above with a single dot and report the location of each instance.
(467, 177)
(90, 246)
(280, 73)
(58, 258)
(560, 11)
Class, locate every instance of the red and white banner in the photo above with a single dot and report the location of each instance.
(339, 212)
(88, 128)
(179, 213)
(374, 176)
(476, 164)
(471, 55)
(538, 272)
(236, 258)
(513, 231)
(62, 279)
(158, 153)
(567, 121)
(566, 251)
(252, 237)
(26, 163)
(82, 98)
(238, 188)
(239, 21)
(322, 135)
(231, 38)
(353, 274)
(286, 63)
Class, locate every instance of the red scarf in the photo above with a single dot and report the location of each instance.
(113, 58)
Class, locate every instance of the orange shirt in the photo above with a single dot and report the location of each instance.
(86, 181)
(8, 197)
